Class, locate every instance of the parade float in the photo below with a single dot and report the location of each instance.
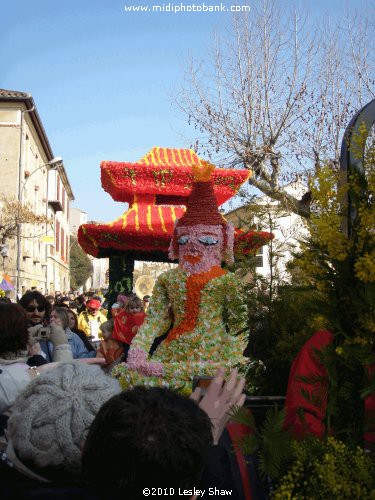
(156, 189)
(199, 304)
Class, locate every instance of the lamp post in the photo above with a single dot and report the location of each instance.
(51, 165)
(349, 160)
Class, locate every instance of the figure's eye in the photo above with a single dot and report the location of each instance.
(182, 240)
(208, 240)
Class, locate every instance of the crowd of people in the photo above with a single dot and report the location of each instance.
(67, 430)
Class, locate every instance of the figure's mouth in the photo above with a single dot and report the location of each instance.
(193, 259)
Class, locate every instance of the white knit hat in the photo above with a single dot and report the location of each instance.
(51, 417)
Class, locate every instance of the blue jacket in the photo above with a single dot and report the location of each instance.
(77, 346)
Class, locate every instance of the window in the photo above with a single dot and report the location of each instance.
(63, 198)
(259, 257)
(67, 247)
(62, 244)
(57, 236)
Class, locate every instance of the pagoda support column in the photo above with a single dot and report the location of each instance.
(121, 268)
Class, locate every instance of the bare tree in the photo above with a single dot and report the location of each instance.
(277, 95)
(13, 214)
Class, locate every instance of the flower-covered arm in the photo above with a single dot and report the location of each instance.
(157, 319)
(235, 309)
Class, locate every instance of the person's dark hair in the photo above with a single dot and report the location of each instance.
(134, 301)
(13, 328)
(62, 313)
(81, 299)
(62, 304)
(31, 295)
(147, 436)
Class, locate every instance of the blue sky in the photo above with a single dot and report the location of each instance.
(103, 78)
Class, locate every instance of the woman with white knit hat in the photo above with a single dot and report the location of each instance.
(51, 418)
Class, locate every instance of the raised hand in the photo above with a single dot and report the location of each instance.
(219, 398)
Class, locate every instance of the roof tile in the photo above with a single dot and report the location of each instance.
(14, 94)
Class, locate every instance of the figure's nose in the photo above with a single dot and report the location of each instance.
(193, 246)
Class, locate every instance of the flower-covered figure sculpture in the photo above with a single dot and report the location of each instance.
(198, 303)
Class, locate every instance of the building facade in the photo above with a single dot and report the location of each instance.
(265, 214)
(31, 175)
(99, 277)
(77, 218)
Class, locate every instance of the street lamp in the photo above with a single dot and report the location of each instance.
(53, 164)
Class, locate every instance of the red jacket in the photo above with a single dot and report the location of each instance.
(110, 350)
(126, 326)
(307, 364)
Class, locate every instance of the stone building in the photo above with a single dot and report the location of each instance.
(99, 277)
(37, 254)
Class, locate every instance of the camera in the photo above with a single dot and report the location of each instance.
(44, 333)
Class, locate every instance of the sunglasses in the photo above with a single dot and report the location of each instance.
(31, 309)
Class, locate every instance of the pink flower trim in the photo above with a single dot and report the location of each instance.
(152, 369)
(229, 256)
(136, 359)
(171, 251)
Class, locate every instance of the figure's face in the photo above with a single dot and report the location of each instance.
(199, 247)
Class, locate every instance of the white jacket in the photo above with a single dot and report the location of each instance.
(14, 377)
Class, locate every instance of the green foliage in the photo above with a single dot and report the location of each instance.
(280, 319)
(326, 469)
(342, 268)
(270, 442)
(80, 265)
(278, 330)
(309, 469)
(334, 287)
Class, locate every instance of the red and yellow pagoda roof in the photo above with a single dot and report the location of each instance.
(157, 188)
(145, 227)
(166, 173)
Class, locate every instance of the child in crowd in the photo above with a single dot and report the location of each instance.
(115, 309)
(128, 321)
(146, 302)
(109, 348)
